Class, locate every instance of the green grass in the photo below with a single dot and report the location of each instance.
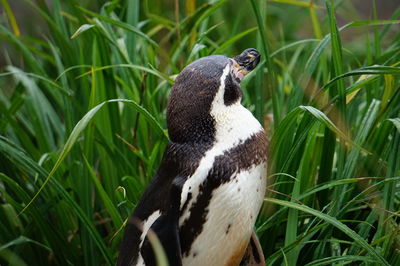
(82, 122)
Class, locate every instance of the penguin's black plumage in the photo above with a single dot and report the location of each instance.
(204, 199)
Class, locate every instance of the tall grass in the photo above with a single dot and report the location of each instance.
(83, 122)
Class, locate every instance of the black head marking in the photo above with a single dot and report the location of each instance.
(188, 112)
(233, 92)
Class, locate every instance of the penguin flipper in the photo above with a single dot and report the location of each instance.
(166, 228)
(254, 255)
(167, 232)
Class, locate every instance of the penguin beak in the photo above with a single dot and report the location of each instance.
(244, 63)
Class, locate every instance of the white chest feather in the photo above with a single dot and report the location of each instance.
(229, 221)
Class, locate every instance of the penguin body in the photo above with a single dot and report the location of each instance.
(203, 201)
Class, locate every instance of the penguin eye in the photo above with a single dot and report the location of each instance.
(253, 53)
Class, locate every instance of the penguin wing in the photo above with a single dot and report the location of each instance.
(253, 255)
(160, 196)
(166, 228)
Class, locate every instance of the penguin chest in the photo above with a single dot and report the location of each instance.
(221, 200)
(228, 219)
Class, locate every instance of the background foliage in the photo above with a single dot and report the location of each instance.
(327, 92)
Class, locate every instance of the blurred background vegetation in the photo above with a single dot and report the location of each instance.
(74, 160)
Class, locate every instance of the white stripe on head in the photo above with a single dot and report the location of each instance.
(219, 97)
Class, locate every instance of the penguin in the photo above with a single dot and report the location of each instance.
(204, 199)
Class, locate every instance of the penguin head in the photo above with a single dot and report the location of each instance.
(245, 62)
(211, 82)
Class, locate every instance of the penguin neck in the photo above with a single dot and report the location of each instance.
(234, 125)
(215, 121)
(233, 122)
(199, 131)
(225, 126)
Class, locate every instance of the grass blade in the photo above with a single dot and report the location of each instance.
(331, 220)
